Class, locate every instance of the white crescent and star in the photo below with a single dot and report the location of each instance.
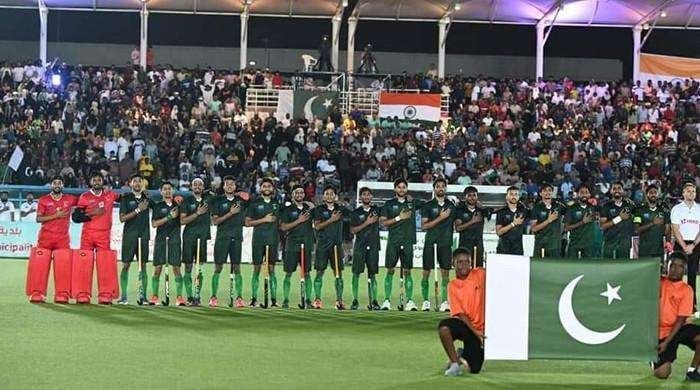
(308, 113)
(574, 327)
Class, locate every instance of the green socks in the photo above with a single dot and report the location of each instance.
(287, 286)
(355, 286)
(254, 283)
(238, 279)
(308, 287)
(215, 283)
(318, 284)
(178, 285)
(188, 284)
(424, 287)
(273, 286)
(409, 287)
(155, 281)
(388, 283)
(373, 287)
(443, 288)
(124, 281)
(339, 289)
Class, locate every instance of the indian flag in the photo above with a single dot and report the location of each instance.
(657, 67)
(410, 106)
(571, 309)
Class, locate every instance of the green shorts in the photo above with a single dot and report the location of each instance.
(173, 253)
(130, 248)
(508, 247)
(326, 256)
(444, 254)
(393, 253)
(292, 256)
(573, 251)
(189, 250)
(617, 250)
(225, 248)
(259, 254)
(368, 257)
(552, 248)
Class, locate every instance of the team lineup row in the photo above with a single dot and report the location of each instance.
(315, 234)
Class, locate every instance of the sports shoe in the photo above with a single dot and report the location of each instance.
(153, 301)
(239, 303)
(453, 370)
(213, 302)
(444, 306)
(386, 305)
(180, 301)
(63, 299)
(253, 302)
(339, 305)
(309, 304)
(411, 306)
(693, 376)
(37, 298)
(318, 304)
(273, 303)
(696, 315)
(354, 305)
(285, 304)
(426, 306)
(122, 300)
(375, 305)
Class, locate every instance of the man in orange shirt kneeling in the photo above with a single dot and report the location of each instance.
(675, 306)
(466, 298)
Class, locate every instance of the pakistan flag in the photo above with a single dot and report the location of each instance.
(306, 104)
(571, 309)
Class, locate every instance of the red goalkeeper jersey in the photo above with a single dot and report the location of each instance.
(91, 201)
(49, 206)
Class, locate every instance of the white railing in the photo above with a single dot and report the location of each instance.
(261, 99)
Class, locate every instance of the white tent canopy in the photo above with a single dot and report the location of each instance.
(638, 15)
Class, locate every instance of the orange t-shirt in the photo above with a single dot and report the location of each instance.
(676, 299)
(467, 296)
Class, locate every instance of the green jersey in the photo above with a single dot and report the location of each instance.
(232, 228)
(441, 233)
(474, 234)
(265, 233)
(169, 229)
(302, 233)
(513, 239)
(369, 236)
(651, 240)
(540, 213)
(623, 231)
(583, 236)
(201, 226)
(403, 232)
(137, 226)
(332, 234)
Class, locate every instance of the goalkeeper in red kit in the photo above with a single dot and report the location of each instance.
(94, 210)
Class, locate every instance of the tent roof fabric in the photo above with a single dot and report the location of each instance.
(610, 13)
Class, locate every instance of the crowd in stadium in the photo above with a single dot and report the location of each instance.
(177, 124)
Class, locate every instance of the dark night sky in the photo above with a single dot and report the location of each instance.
(206, 30)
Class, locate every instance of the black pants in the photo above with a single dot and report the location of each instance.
(692, 269)
(473, 352)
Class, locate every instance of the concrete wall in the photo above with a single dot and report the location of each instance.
(290, 59)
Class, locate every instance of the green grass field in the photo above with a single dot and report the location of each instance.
(123, 347)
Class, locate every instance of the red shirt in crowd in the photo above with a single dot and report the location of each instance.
(92, 201)
(49, 206)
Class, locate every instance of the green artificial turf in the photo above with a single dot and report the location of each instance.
(51, 346)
